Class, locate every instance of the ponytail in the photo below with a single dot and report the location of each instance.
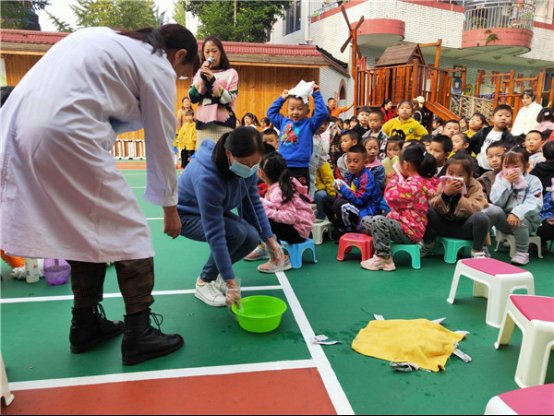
(275, 169)
(424, 163)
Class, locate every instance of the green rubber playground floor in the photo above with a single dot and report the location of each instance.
(338, 298)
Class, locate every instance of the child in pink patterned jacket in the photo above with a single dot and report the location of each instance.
(287, 204)
(407, 194)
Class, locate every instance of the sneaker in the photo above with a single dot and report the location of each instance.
(221, 285)
(260, 253)
(478, 254)
(209, 294)
(426, 248)
(269, 267)
(379, 263)
(487, 252)
(520, 258)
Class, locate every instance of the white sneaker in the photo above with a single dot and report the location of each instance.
(209, 294)
(520, 258)
(221, 285)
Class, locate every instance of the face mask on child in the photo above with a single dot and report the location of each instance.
(242, 170)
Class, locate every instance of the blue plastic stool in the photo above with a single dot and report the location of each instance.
(452, 246)
(411, 249)
(297, 250)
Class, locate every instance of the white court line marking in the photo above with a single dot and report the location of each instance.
(118, 295)
(154, 219)
(137, 187)
(163, 374)
(330, 380)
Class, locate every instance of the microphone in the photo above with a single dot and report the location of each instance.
(210, 61)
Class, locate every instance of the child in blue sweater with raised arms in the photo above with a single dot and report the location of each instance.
(297, 130)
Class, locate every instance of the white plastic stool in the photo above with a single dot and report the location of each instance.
(319, 228)
(6, 394)
(511, 240)
(493, 280)
(536, 400)
(534, 315)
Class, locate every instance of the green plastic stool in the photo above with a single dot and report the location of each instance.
(452, 246)
(412, 250)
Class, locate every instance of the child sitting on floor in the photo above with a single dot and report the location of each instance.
(545, 172)
(286, 204)
(348, 139)
(456, 211)
(407, 195)
(495, 153)
(358, 192)
(517, 199)
(394, 146)
(440, 148)
(411, 128)
(534, 141)
(373, 163)
(376, 126)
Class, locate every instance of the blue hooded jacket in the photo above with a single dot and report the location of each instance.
(203, 192)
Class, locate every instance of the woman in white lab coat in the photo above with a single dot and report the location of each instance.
(60, 192)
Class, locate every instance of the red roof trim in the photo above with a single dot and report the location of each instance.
(543, 25)
(50, 38)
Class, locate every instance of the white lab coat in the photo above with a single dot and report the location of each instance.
(60, 192)
(526, 119)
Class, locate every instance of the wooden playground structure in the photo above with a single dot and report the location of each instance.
(401, 73)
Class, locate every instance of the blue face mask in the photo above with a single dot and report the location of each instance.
(242, 170)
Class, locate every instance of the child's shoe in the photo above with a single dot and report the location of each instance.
(520, 258)
(478, 254)
(426, 248)
(379, 263)
(270, 267)
(260, 253)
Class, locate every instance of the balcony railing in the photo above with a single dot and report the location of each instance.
(485, 14)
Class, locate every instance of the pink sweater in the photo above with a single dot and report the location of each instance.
(215, 98)
(409, 201)
(296, 212)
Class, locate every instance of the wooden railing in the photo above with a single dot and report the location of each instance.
(407, 82)
(466, 105)
(129, 149)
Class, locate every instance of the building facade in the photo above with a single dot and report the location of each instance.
(495, 36)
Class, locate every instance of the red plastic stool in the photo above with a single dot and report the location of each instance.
(362, 241)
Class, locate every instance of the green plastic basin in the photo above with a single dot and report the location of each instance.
(260, 314)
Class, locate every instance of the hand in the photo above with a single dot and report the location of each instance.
(285, 94)
(172, 222)
(337, 183)
(513, 221)
(276, 254)
(207, 72)
(512, 176)
(233, 293)
(315, 87)
(452, 187)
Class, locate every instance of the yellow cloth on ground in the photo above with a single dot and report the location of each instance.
(417, 341)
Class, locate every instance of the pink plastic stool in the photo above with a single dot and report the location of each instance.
(362, 241)
(534, 315)
(494, 280)
(530, 401)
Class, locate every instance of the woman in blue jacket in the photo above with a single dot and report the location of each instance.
(222, 177)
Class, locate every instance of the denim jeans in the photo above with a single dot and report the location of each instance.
(242, 238)
(318, 199)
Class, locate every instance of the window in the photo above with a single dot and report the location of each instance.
(293, 17)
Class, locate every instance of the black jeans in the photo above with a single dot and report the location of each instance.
(185, 155)
(546, 232)
(475, 228)
(135, 278)
(286, 232)
(332, 207)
